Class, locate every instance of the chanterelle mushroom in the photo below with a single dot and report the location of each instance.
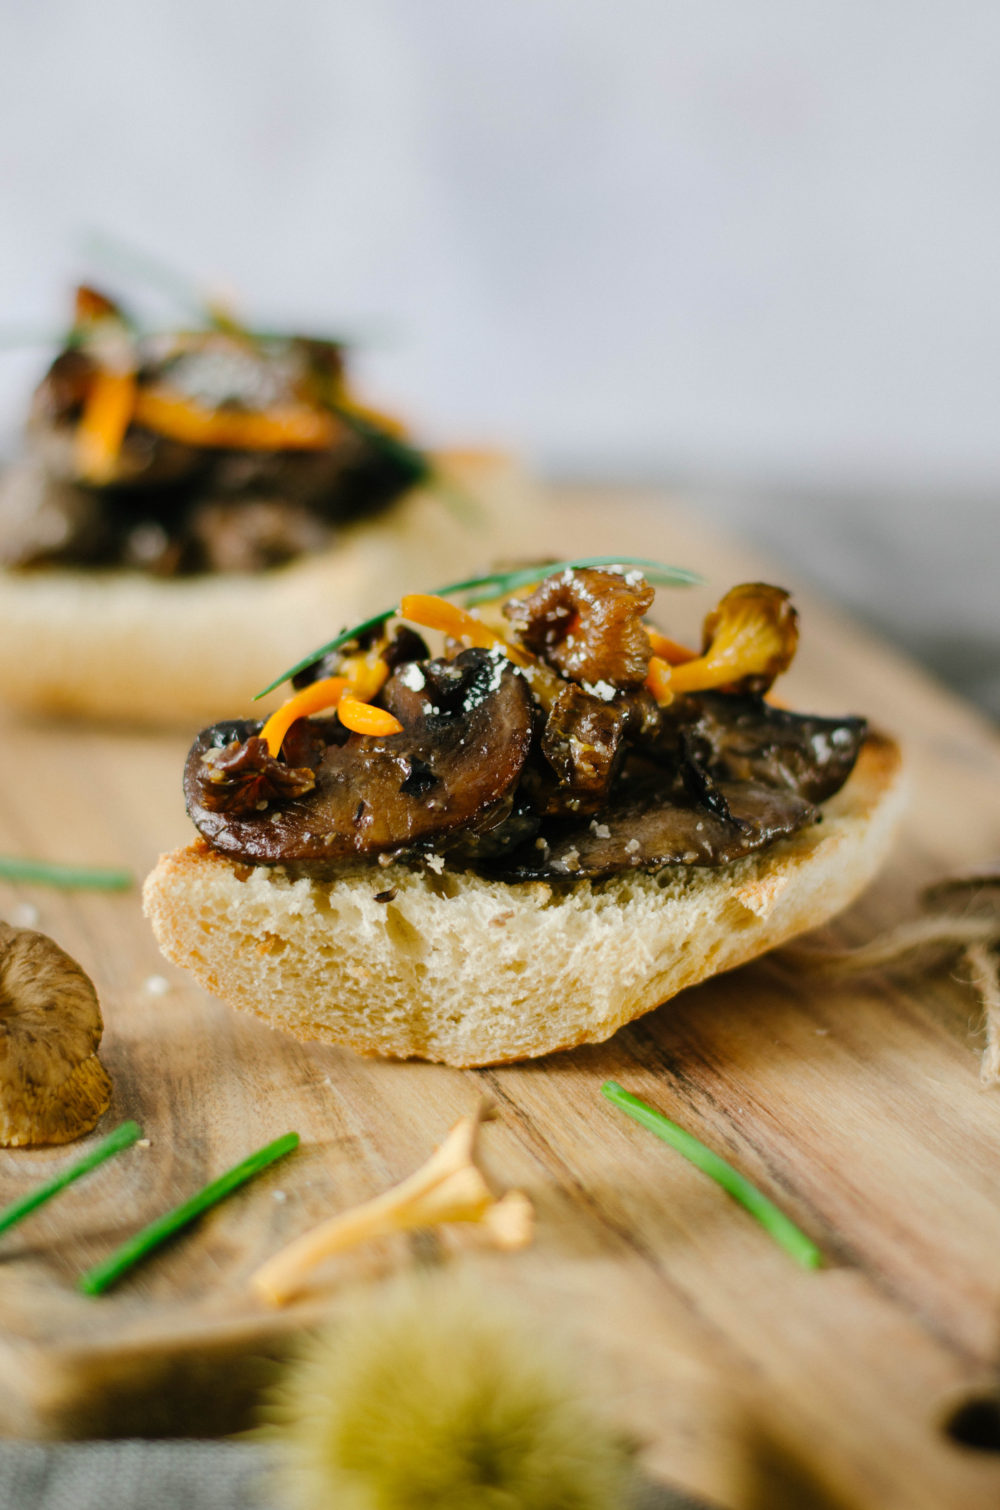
(450, 1187)
(53, 1087)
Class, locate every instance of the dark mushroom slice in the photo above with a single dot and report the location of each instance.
(452, 771)
(230, 535)
(307, 478)
(650, 824)
(736, 737)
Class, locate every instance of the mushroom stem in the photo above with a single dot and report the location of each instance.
(450, 1187)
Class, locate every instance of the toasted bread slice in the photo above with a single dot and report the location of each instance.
(404, 963)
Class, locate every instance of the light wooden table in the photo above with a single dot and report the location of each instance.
(857, 1106)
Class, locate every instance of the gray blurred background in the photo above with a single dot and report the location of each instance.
(749, 252)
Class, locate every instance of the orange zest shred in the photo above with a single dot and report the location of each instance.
(433, 612)
(107, 413)
(325, 693)
(669, 650)
(347, 694)
(362, 718)
(286, 427)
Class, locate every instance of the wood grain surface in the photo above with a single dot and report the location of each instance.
(857, 1106)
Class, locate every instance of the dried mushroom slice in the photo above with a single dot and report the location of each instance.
(53, 1087)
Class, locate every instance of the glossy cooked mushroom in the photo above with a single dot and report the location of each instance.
(648, 824)
(213, 450)
(587, 624)
(53, 1087)
(735, 774)
(525, 771)
(467, 727)
(740, 737)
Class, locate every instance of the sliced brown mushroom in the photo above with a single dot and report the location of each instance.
(718, 776)
(453, 770)
(740, 737)
(648, 824)
(248, 534)
(53, 1087)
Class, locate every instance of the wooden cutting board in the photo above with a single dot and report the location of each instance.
(857, 1106)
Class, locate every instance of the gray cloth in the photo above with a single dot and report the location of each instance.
(135, 1476)
(166, 1476)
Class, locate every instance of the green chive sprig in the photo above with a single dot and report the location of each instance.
(122, 1137)
(409, 459)
(139, 1247)
(53, 873)
(126, 259)
(484, 589)
(774, 1221)
(416, 466)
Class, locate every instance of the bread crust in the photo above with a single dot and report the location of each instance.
(129, 647)
(459, 969)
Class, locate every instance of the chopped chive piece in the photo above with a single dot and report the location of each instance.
(413, 462)
(122, 1137)
(375, 622)
(780, 1227)
(498, 583)
(52, 873)
(105, 1274)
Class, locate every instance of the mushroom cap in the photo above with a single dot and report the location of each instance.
(53, 1087)
(466, 737)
